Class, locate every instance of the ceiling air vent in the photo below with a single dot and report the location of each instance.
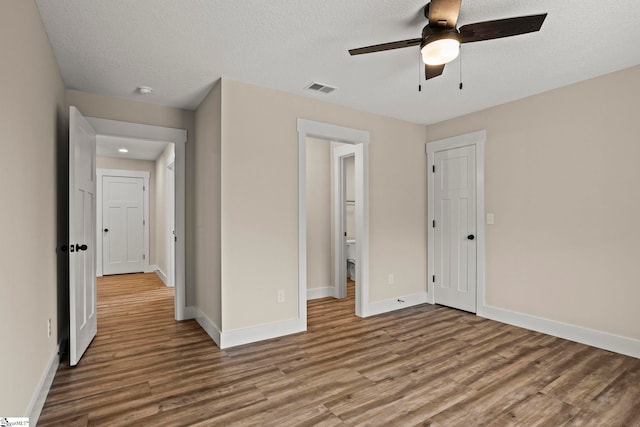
(320, 88)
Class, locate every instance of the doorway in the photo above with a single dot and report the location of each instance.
(455, 215)
(176, 138)
(82, 217)
(330, 207)
(360, 141)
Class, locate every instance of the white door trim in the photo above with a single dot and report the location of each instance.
(338, 199)
(179, 138)
(476, 139)
(309, 128)
(170, 221)
(101, 173)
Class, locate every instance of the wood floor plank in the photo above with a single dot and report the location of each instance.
(109, 399)
(424, 365)
(537, 410)
(419, 401)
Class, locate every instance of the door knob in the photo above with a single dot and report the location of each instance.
(106, 230)
(81, 247)
(471, 237)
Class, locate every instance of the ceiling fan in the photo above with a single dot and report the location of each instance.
(440, 41)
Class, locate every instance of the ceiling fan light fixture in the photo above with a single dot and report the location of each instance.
(440, 49)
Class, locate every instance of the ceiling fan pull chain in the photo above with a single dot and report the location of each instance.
(460, 86)
(419, 75)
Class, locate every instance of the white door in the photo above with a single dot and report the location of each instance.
(122, 225)
(82, 235)
(455, 228)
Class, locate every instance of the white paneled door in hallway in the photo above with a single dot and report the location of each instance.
(123, 225)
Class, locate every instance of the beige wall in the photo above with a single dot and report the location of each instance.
(260, 201)
(143, 166)
(106, 107)
(207, 206)
(31, 129)
(318, 213)
(561, 176)
(161, 219)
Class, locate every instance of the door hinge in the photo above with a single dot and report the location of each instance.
(144, 256)
(144, 188)
(434, 223)
(433, 278)
(433, 168)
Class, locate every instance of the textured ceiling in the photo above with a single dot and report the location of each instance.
(181, 47)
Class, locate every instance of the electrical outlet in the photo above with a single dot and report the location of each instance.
(390, 279)
(49, 328)
(280, 295)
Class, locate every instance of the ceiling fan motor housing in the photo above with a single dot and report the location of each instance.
(430, 34)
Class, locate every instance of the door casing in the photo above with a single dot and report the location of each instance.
(171, 223)
(179, 138)
(309, 128)
(476, 139)
(338, 202)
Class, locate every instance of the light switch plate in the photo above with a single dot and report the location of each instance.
(490, 219)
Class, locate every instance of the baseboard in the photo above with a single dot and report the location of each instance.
(604, 340)
(190, 313)
(37, 401)
(162, 276)
(261, 332)
(316, 293)
(151, 268)
(209, 327)
(392, 304)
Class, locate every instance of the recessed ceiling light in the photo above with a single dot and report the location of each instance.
(123, 150)
(144, 90)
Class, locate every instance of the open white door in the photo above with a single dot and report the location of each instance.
(82, 235)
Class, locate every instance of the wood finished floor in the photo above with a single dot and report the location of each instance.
(427, 365)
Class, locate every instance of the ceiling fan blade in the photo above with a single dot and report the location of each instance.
(499, 28)
(444, 13)
(431, 71)
(385, 46)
